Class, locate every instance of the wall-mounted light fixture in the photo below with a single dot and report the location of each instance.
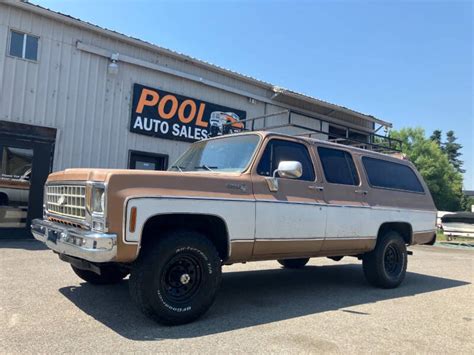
(113, 66)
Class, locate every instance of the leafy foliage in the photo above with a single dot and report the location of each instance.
(442, 177)
(452, 149)
(436, 137)
(467, 202)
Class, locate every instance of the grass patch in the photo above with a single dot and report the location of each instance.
(440, 237)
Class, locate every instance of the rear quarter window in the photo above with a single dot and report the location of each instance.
(389, 175)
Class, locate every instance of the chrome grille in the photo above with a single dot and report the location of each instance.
(66, 200)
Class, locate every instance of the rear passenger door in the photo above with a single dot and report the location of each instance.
(291, 220)
(346, 198)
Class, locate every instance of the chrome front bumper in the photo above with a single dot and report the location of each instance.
(82, 244)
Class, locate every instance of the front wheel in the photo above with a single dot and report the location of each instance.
(293, 263)
(176, 279)
(109, 274)
(386, 265)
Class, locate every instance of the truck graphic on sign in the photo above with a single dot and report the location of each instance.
(224, 122)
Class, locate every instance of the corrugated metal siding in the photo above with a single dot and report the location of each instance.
(70, 90)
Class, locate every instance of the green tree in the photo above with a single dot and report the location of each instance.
(452, 150)
(436, 137)
(442, 178)
(467, 202)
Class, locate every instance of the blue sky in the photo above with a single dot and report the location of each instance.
(410, 63)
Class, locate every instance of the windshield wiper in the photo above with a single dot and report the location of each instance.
(206, 167)
(180, 168)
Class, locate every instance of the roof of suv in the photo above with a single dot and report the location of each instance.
(397, 157)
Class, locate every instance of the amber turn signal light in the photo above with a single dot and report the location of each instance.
(133, 220)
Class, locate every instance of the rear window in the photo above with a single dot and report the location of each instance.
(338, 166)
(390, 175)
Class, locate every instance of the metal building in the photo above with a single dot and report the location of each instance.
(73, 94)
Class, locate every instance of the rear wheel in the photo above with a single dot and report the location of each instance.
(176, 279)
(386, 265)
(293, 263)
(109, 274)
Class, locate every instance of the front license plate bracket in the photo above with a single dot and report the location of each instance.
(52, 236)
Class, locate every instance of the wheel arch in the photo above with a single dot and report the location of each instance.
(403, 228)
(212, 226)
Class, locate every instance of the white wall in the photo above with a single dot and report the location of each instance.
(70, 90)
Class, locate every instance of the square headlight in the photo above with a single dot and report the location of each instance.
(96, 199)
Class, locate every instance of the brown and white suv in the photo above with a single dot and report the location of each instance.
(238, 198)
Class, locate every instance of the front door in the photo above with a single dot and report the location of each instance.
(291, 220)
(24, 168)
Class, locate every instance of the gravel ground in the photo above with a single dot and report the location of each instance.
(325, 307)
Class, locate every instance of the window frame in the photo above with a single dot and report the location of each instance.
(23, 53)
(357, 172)
(311, 158)
(132, 153)
(391, 188)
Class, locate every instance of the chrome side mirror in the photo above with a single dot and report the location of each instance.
(286, 169)
(289, 169)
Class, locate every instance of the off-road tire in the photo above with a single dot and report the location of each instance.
(293, 263)
(109, 275)
(386, 265)
(156, 281)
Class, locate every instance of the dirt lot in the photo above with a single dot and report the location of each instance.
(327, 307)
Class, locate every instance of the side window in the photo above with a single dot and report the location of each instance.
(280, 150)
(338, 166)
(23, 45)
(390, 175)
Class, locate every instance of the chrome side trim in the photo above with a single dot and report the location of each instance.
(310, 239)
(198, 198)
(82, 244)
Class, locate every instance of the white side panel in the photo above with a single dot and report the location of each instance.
(421, 221)
(350, 222)
(239, 215)
(277, 220)
(347, 222)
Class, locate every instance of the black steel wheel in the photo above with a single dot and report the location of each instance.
(392, 260)
(386, 265)
(181, 277)
(175, 279)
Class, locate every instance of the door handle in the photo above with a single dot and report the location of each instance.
(314, 187)
(362, 192)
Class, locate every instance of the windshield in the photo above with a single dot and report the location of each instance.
(230, 154)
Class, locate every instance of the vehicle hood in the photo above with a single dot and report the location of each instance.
(148, 183)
